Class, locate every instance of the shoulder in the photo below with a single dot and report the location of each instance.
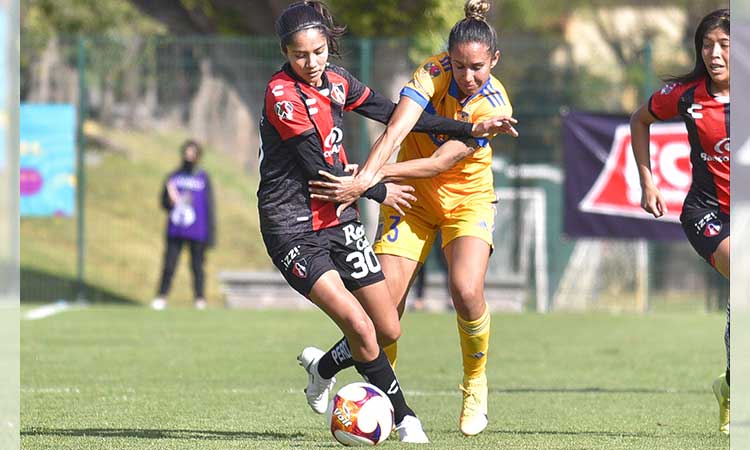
(435, 66)
(281, 87)
(337, 71)
(495, 94)
(676, 89)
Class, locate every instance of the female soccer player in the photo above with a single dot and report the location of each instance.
(455, 191)
(324, 256)
(701, 99)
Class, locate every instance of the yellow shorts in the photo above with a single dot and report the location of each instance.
(412, 235)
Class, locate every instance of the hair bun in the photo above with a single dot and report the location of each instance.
(476, 9)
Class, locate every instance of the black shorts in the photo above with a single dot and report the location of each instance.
(705, 229)
(302, 258)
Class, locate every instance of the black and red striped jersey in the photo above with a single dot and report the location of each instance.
(301, 130)
(706, 118)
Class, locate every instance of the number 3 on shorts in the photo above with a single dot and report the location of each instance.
(392, 235)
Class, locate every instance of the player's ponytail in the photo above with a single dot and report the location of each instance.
(306, 14)
(714, 20)
(474, 27)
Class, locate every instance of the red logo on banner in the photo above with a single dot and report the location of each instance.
(617, 190)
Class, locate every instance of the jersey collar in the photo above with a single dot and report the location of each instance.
(455, 92)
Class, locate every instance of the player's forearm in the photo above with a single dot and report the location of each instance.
(404, 117)
(640, 141)
(443, 159)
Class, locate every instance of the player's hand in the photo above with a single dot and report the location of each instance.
(496, 125)
(353, 168)
(652, 201)
(344, 190)
(398, 196)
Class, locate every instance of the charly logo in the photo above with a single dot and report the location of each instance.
(284, 109)
(337, 93)
(694, 111)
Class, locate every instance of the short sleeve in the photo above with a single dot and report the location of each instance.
(357, 91)
(285, 111)
(426, 80)
(663, 103)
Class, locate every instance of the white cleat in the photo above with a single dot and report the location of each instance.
(317, 387)
(158, 304)
(200, 304)
(410, 431)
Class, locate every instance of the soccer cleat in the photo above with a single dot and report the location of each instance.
(410, 431)
(200, 304)
(721, 391)
(473, 418)
(158, 304)
(317, 387)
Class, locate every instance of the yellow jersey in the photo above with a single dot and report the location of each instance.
(433, 87)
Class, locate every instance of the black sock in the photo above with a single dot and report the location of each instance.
(380, 373)
(727, 375)
(338, 358)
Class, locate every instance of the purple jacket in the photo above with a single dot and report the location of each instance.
(192, 217)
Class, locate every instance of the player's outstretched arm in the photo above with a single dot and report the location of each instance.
(445, 157)
(651, 199)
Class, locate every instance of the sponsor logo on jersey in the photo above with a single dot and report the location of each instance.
(712, 229)
(432, 69)
(722, 146)
(337, 93)
(284, 109)
(300, 268)
(332, 142)
(277, 90)
(722, 149)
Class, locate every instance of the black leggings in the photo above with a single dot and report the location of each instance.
(171, 256)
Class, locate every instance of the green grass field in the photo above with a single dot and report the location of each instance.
(124, 377)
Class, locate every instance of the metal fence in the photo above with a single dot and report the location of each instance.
(212, 88)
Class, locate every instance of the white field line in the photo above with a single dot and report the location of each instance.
(47, 310)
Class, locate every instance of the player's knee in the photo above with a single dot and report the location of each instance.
(467, 294)
(362, 328)
(388, 334)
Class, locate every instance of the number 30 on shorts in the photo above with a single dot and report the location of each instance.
(365, 262)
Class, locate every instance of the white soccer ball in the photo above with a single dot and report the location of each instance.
(360, 414)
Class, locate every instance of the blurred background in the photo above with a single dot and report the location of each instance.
(142, 76)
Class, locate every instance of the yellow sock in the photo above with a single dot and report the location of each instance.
(475, 343)
(392, 353)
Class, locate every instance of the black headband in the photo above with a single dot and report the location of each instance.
(304, 26)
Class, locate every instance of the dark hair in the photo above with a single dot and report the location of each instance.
(306, 14)
(474, 27)
(716, 19)
(191, 143)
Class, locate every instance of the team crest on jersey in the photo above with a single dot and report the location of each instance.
(712, 229)
(463, 116)
(432, 69)
(337, 93)
(300, 268)
(284, 109)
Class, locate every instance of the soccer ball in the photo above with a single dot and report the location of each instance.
(360, 414)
